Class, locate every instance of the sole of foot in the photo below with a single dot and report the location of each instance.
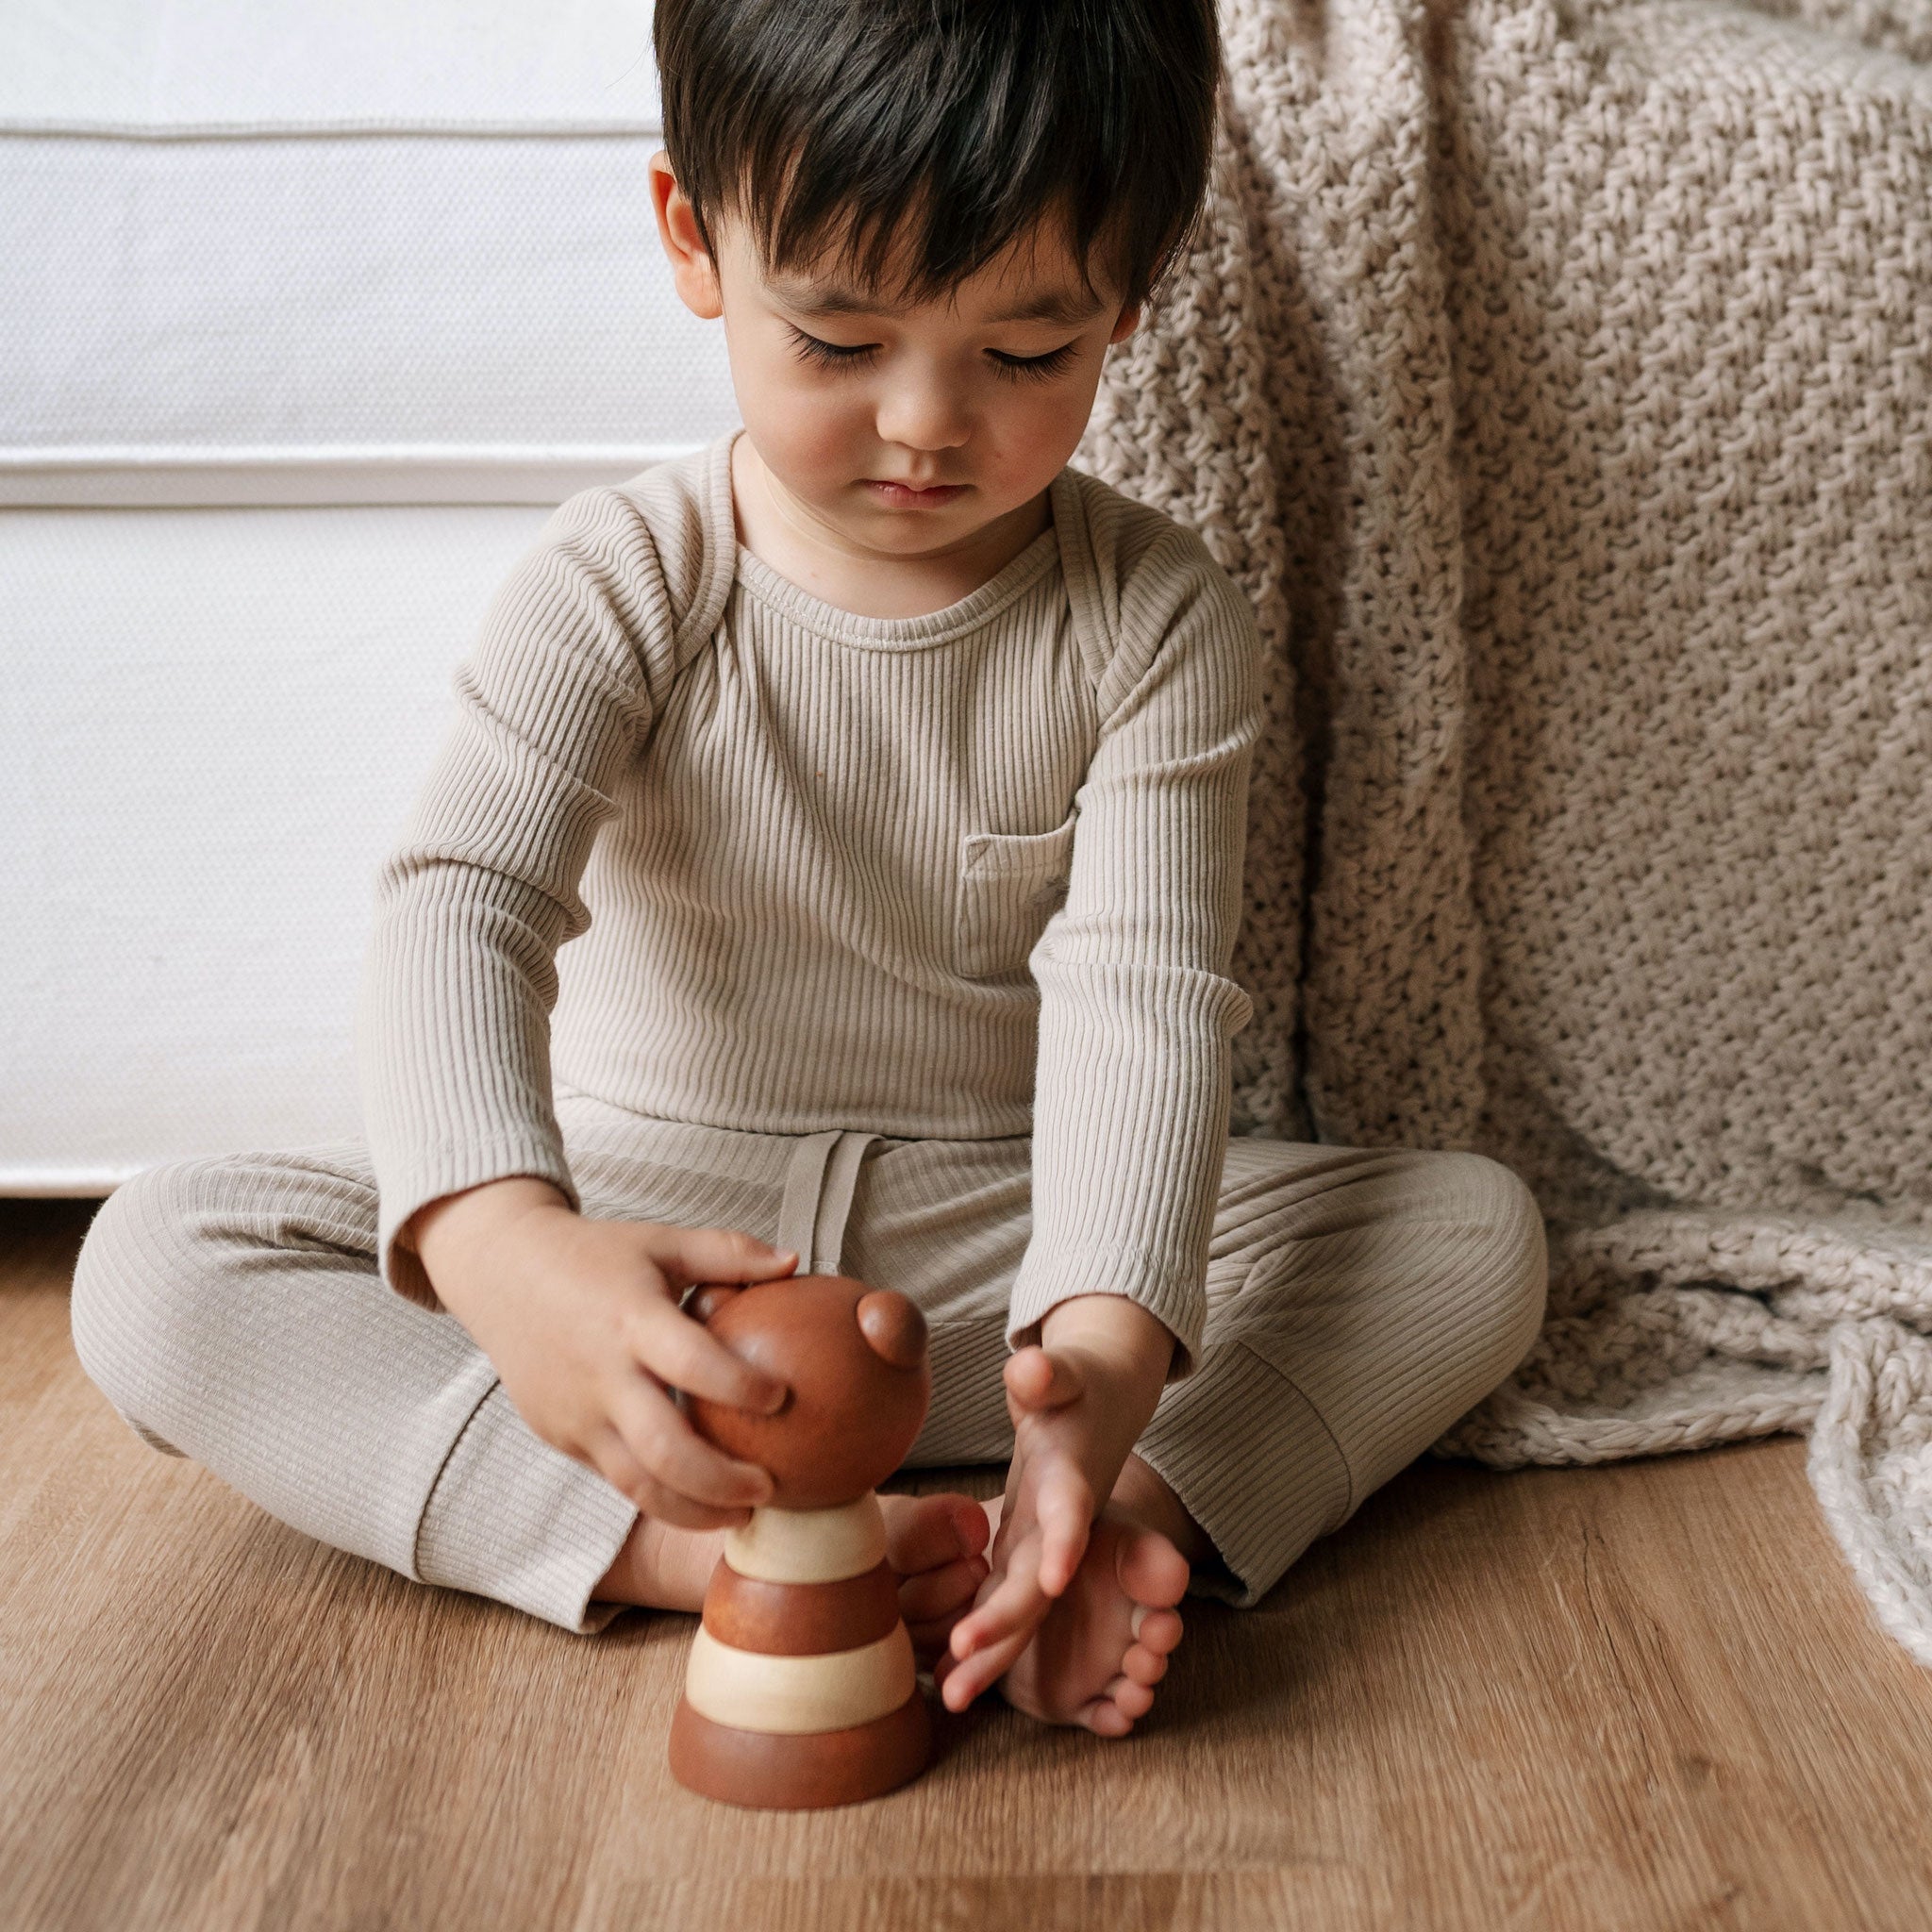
(1105, 1645)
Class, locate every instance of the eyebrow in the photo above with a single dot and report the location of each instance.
(1052, 305)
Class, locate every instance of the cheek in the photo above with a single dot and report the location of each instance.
(801, 422)
(812, 434)
(1032, 429)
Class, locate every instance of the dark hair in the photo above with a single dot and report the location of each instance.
(830, 126)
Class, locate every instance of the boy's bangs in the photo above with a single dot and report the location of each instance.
(872, 219)
(913, 142)
(909, 250)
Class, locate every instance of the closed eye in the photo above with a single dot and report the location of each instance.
(831, 354)
(855, 355)
(1038, 367)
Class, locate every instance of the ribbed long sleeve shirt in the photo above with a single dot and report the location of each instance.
(714, 850)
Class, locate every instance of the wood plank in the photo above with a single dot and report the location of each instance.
(1645, 1696)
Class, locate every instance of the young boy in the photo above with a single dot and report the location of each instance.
(890, 776)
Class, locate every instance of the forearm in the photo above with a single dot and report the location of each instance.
(452, 1045)
(483, 887)
(1138, 1007)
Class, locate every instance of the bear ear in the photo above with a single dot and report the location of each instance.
(705, 1302)
(893, 1326)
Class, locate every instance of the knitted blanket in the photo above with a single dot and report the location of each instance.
(1556, 377)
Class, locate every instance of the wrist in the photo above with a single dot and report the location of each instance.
(444, 1231)
(1116, 1334)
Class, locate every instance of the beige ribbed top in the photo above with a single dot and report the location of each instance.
(971, 874)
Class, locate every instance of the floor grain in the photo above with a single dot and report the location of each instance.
(1641, 1697)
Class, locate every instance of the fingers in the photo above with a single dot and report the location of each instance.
(708, 1300)
(674, 1457)
(961, 1679)
(687, 1355)
(614, 1462)
(1012, 1608)
(929, 1642)
(935, 1543)
(1064, 1512)
(686, 1256)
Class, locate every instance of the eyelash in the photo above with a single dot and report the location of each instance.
(1013, 368)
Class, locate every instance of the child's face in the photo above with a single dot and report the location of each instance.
(846, 403)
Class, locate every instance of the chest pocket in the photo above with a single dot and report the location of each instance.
(1009, 885)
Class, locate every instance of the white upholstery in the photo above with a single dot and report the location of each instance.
(350, 292)
(202, 64)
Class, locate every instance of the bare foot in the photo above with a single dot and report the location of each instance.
(1103, 1644)
(935, 1543)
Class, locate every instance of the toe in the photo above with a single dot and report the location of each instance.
(1130, 1699)
(1143, 1665)
(1105, 1719)
(942, 1592)
(927, 1532)
(1156, 1630)
(1151, 1569)
(973, 1523)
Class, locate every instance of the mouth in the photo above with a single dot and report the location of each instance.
(901, 496)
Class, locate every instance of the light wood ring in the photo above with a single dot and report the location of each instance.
(751, 1691)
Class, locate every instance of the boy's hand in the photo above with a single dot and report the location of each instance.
(581, 1319)
(1078, 1403)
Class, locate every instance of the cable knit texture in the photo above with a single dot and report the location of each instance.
(1556, 380)
(965, 876)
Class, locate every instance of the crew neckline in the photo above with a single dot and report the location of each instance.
(831, 621)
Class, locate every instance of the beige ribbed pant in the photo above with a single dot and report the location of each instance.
(1358, 1301)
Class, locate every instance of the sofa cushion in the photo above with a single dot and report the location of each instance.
(284, 252)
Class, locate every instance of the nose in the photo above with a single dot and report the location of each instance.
(921, 413)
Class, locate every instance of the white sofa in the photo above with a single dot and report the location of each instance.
(307, 312)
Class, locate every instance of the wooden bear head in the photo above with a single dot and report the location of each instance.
(853, 1360)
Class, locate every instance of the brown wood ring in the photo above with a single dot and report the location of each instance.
(801, 1619)
(767, 1773)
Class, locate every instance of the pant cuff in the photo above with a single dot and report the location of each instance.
(513, 1519)
(1253, 1464)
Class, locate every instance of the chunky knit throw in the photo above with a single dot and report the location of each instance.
(1558, 380)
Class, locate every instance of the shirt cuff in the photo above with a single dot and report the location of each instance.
(432, 1173)
(1169, 1289)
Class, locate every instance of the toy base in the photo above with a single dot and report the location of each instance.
(801, 1772)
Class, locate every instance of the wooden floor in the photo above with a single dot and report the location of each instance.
(1643, 1696)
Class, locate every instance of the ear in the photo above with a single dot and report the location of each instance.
(893, 1327)
(692, 272)
(1130, 321)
